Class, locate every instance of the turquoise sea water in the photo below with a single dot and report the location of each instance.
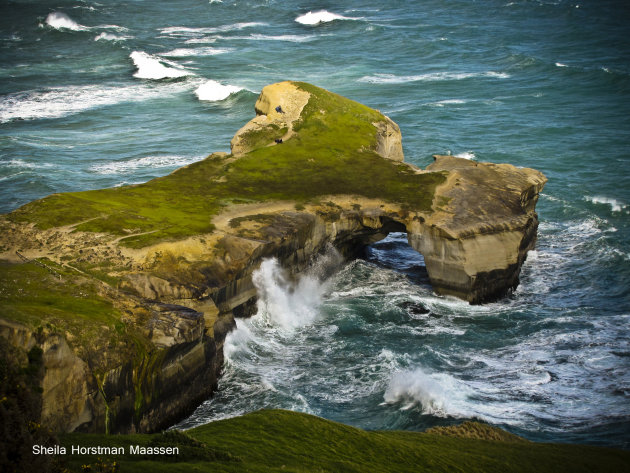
(97, 94)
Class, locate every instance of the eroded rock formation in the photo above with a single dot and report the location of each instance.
(131, 304)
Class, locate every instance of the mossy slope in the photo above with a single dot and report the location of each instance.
(276, 440)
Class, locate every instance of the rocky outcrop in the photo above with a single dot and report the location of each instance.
(144, 299)
(277, 109)
(477, 240)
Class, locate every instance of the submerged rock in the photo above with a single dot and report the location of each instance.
(138, 286)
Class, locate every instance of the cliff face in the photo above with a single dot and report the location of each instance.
(131, 291)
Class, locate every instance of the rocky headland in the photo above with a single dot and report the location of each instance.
(129, 292)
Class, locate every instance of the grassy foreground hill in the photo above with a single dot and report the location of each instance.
(284, 441)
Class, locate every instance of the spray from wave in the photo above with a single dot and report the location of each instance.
(436, 394)
(289, 304)
(470, 155)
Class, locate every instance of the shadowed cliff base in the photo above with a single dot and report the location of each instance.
(130, 291)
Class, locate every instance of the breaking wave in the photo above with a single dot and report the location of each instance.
(151, 67)
(213, 91)
(615, 205)
(323, 16)
(61, 21)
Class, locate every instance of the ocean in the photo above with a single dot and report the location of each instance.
(102, 94)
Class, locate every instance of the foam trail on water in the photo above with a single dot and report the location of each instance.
(62, 101)
(60, 21)
(110, 37)
(213, 91)
(192, 31)
(152, 162)
(150, 67)
(429, 77)
(323, 16)
(187, 52)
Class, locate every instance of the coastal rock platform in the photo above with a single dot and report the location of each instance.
(131, 291)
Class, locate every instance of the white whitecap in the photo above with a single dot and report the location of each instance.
(203, 40)
(442, 103)
(61, 21)
(559, 64)
(187, 52)
(285, 37)
(21, 164)
(150, 67)
(196, 31)
(615, 205)
(430, 77)
(110, 37)
(323, 16)
(150, 162)
(213, 91)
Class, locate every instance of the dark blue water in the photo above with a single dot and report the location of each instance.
(96, 94)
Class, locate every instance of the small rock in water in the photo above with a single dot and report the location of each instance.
(414, 308)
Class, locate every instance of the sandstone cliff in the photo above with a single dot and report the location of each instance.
(131, 291)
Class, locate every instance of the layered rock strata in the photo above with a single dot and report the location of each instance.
(130, 292)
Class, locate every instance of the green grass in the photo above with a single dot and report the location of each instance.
(281, 441)
(332, 152)
(65, 302)
(263, 137)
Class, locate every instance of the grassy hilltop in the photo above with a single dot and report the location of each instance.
(331, 152)
(284, 441)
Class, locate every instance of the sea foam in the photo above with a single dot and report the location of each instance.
(187, 52)
(195, 31)
(323, 16)
(430, 77)
(62, 101)
(150, 162)
(60, 21)
(150, 67)
(213, 91)
(110, 37)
